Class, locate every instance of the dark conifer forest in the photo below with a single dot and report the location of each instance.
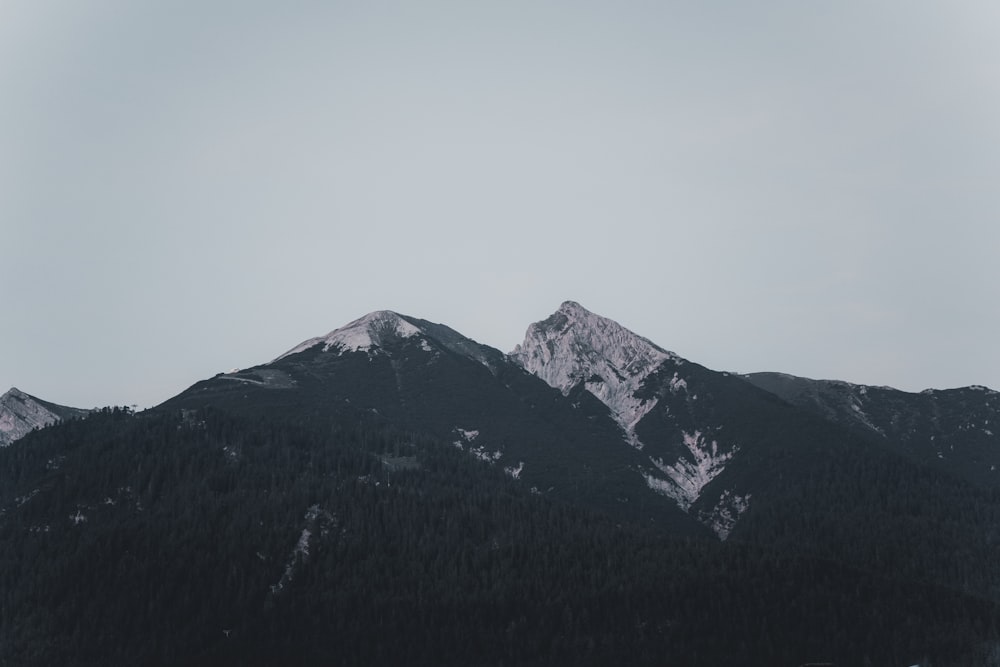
(215, 538)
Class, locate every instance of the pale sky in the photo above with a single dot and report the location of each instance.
(805, 187)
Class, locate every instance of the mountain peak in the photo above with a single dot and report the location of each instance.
(568, 313)
(13, 395)
(574, 345)
(580, 338)
(20, 413)
(371, 330)
(572, 306)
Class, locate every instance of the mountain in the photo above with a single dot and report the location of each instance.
(394, 492)
(706, 440)
(216, 538)
(583, 410)
(739, 456)
(21, 413)
(574, 348)
(953, 430)
(430, 379)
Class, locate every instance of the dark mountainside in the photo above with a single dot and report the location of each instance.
(952, 430)
(395, 493)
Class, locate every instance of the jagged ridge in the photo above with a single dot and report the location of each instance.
(575, 346)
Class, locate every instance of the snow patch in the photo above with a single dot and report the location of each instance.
(20, 500)
(302, 548)
(859, 412)
(364, 333)
(515, 472)
(483, 455)
(687, 476)
(723, 517)
(245, 380)
(299, 555)
(317, 519)
(466, 437)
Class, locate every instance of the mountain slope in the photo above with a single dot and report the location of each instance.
(688, 422)
(170, 539)
(21, 413)
(953, 430)
(395, 479)
(430, 379)
(725, 447)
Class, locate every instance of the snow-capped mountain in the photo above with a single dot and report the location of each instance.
(20, 413)
(575, 347)
(640, 383)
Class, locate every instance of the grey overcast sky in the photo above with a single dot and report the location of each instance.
(806, 187)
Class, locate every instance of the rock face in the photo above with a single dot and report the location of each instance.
(575, 347)
(20, 413)
(650, 392)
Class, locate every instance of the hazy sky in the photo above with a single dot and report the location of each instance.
(807, 187)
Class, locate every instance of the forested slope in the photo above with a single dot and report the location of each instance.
(205, 538)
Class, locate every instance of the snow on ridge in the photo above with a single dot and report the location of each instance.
(361, 334)
(574, 345)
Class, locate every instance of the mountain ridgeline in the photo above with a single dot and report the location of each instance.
(395, 493)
